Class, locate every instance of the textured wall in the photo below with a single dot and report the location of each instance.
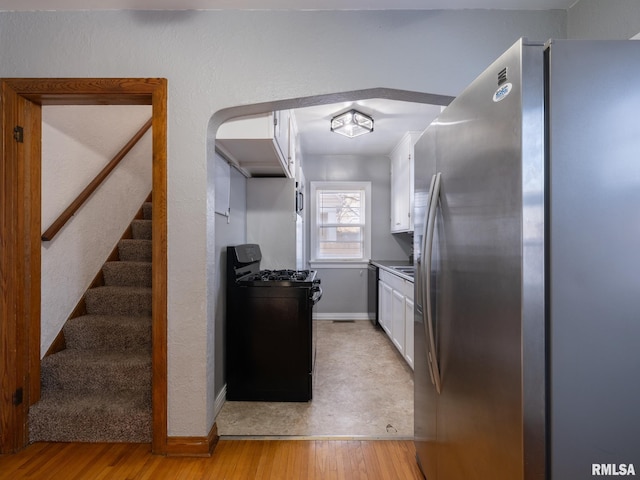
(605, 20)
(77, 142)
(214, 60)
(228, 231)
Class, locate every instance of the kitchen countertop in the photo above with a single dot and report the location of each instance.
(389, 264)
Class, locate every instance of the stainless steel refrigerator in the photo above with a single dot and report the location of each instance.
(527, 247)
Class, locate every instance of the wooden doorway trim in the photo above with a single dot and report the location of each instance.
(19, 263)
(20, 165)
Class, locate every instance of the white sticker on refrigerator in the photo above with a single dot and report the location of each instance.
(502, 92)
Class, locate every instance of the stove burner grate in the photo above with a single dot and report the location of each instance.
(280, 275)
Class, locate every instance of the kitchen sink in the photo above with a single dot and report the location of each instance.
(407, 270)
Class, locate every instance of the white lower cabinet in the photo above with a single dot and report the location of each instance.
(397, 320)
(395, 311)
(385, 299)
(408, 331)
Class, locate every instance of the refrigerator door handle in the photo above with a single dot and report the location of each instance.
(420, 283)
(428, 251)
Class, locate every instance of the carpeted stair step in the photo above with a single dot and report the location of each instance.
(108, 332)
(94, 371)
(99, 388)
(127, 274)
(67, 417)
(134, 250)
(141, 229)
(114, 300)
(147, 210)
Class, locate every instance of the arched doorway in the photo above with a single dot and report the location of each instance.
(240, 111)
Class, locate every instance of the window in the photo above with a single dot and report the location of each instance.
(340, 222)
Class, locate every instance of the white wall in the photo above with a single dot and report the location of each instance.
(77, 142)
(606, 20)
(230, 230)
(220, 59)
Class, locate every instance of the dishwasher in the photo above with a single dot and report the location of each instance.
(372, 293)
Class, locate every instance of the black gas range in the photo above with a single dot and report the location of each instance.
(281, 278)
(270, 340)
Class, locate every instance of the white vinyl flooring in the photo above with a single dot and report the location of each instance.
(363, 388)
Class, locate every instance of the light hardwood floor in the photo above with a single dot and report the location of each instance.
(231, 460)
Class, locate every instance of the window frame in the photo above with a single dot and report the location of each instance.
(316, 262)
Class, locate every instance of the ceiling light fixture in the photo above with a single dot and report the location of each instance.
(352, 124)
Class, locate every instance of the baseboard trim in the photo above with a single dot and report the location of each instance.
(341, 316)
(193, 446)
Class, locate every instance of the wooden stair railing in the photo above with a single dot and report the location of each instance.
(95, 183)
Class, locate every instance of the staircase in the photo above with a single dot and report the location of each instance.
(98, 389)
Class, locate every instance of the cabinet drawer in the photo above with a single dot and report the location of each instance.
(397, 283)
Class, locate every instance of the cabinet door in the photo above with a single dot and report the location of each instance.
(293, 148)
(385, 293)
(408, 321)
(401, 186)
(397, 315)
(281, 136)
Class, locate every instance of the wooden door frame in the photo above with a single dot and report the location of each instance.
(20, 167)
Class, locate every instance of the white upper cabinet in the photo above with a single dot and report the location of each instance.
(293, 163)
(402, 184)
(259, 144)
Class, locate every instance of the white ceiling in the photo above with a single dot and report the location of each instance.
(392, 119)
(27, 5)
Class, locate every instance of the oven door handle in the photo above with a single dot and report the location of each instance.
(317, 295)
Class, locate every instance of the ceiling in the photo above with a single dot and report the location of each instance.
(29, 5)
(392, 118)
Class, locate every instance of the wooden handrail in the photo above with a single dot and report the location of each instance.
(95, 183)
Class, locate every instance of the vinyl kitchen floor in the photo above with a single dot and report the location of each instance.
(362, 389)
